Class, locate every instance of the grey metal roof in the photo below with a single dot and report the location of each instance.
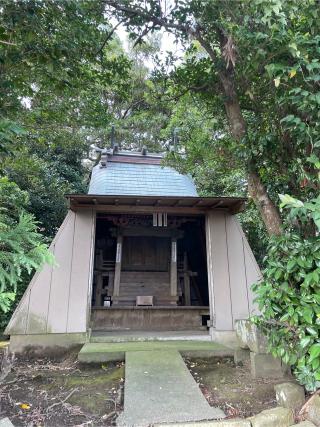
(140, 180)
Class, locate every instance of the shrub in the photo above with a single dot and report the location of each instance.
(289, 295)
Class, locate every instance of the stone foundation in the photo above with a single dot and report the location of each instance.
(46, 344)
(148, 318)
(227, 338)
(267, 366)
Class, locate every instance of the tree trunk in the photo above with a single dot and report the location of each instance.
(257, 191)
(268, 211)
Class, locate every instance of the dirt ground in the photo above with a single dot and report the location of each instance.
(42, 392)
(231, 387)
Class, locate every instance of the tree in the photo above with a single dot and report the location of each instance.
(243, 48)
(57, 102)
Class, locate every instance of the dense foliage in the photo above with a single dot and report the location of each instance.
(22, 247)
(289, 295)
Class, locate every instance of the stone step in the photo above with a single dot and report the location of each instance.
(105, 352)
(143, 336)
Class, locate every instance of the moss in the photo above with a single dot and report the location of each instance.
(94, 386)
(91, 381)
(222, 381)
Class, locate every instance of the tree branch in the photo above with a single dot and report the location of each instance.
(110, 34)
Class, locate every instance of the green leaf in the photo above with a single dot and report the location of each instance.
(314, 351)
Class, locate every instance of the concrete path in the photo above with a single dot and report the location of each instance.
(160, 389)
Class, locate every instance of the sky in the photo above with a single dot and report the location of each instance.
(168, 43)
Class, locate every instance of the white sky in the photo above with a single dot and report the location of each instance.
(168, 43)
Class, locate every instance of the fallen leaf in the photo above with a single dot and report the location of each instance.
(277, 82)
(292, 73)
(24, 406)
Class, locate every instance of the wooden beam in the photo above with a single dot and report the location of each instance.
(145, 209)
(237, 207)
(186, 281)
(199, 202)
(215, 205)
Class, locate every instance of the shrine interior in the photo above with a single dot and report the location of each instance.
(161, 261)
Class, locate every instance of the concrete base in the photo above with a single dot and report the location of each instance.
(267, 366)
(50, 344)
(148, 318)
(228, 338)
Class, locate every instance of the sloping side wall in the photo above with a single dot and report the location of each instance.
(56, 300)
(232, 269)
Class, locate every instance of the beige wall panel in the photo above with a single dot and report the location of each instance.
(18, 321)
(31, 314)
(39, 302)
(237, 270)
(60, 279)
(253, 274)
(80, 282)
(220, 267)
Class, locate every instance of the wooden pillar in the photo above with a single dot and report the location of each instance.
(117, 270)
(99, 283)
(186, 281)
(209, 239)
(173, 268)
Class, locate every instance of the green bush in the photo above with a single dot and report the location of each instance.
(289, 295)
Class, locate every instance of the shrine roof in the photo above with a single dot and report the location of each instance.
(131, 173)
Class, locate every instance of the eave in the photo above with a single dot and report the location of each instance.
(149, 204)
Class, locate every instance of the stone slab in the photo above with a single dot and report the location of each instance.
(290, 395)
(267, 366)
(305, 424)
(160, 389)
(105, 352)
(313, 410)
(276, 417)
(5, 422)
(223, 423)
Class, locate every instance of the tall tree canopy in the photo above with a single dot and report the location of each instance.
(259, 63)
